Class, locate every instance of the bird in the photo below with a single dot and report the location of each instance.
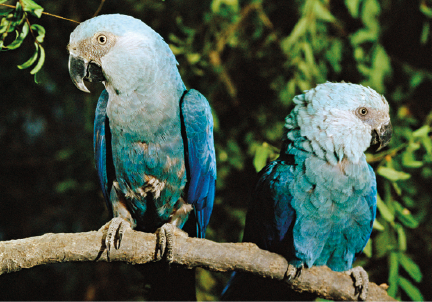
(316, 203)
(153, 139)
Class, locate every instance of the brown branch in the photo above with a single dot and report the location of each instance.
(139, 248)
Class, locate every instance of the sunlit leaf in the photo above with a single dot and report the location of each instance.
(426, 10)
(392, 174)
(393, 274)
(423, 131)
(401, 237)
(411, 267)
(353, 7)
(368, 248)
(40, 62)
(32, 7)
(322, 12)
(405, 215)
(30, 61)
(260, 158)
(412, 291)
(296, 33)
(384, 210)
(19, 39)
(408, 160)
(40, 30)
(378, 226)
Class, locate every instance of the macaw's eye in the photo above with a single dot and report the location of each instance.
(362, 111)
(102, 39)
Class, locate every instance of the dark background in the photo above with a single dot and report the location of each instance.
(249, 58)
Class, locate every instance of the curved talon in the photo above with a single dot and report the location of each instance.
(115, 232)
(293, 272)
(361, 281)
(165, 241)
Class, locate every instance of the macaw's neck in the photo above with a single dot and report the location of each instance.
(147, 113)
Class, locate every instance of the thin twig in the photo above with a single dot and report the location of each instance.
(45, 13)
(99, 8)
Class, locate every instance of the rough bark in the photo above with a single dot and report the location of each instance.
(140, 248)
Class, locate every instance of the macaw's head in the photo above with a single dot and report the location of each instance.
(339, 121)
(120, 51)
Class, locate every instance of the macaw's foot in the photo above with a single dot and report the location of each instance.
(116, 228)
(361, 281)
(165, 241)
(293, 271)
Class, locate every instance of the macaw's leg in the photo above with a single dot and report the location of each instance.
(121, 222)
(294, 270)
(361, 281)
(165, 241)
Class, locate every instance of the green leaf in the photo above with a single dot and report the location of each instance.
(362, 36)
(409, 161)
(384, 210)
(260, 158)
(40, 62)
(425, 9)
(33, 8)
(421, 132)
(392, 174)
(5, 12)
(66, 185)
(412, 291)
(353, 7)
(368, 248)
(425, 33)
(393, 274)
(405, 215)
(378, 226)
(41, 32)
(298, 31)
(322, 13)
(411, 267)
(401, 237)
(30, 61)
(19, 38)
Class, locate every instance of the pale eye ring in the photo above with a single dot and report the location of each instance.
(362, 111)
(102, 39)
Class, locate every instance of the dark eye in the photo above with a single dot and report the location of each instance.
(362, 111)
(102, 39)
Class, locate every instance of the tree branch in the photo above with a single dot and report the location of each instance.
(139, 248)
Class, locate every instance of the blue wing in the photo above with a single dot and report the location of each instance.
(270, 214)
(197, 133)
(371, 199)
(268, 224)
(102, 148)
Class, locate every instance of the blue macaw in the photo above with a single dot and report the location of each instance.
(316, 203)
(153, 139)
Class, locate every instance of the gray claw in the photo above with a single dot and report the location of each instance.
(293, 272)
(361, 281)
(115, 232)
(165, 241)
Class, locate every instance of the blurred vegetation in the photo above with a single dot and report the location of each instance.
(249, 58)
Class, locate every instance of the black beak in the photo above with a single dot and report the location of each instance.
(80, 70)
(382, 135)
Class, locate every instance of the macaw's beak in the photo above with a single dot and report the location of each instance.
(382, 135)
(81, 69)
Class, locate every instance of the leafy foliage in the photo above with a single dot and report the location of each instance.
(249, 58)
(16, 20)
